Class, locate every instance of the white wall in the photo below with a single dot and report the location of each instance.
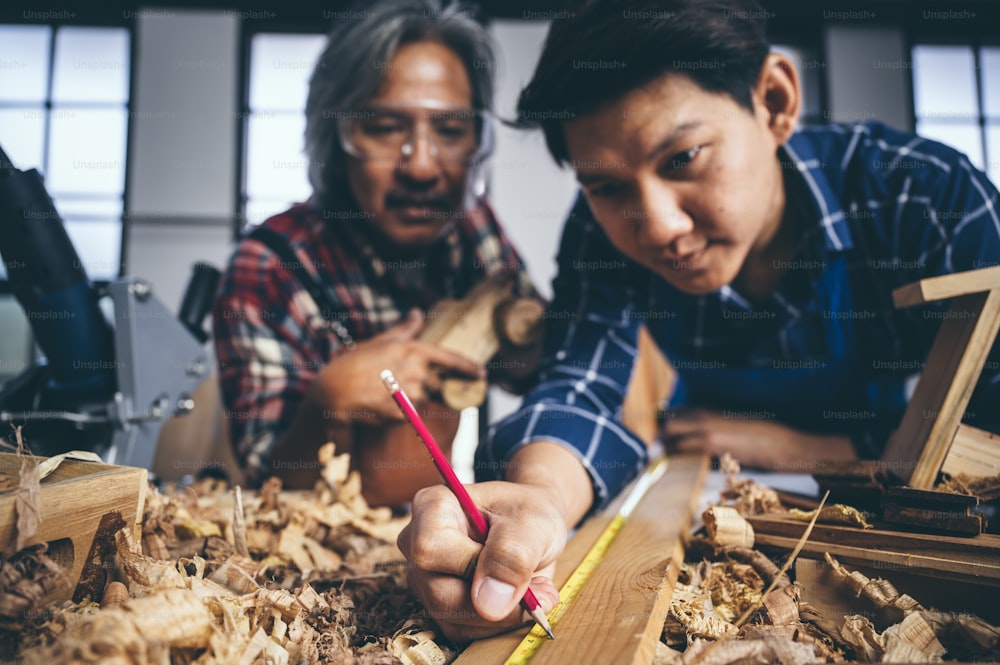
(869, 70)
(182, 161)
(530, 194)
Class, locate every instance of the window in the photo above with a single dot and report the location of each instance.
(64, 94)
(956, 99)
(275, 165)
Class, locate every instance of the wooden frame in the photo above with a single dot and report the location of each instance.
(921, 446)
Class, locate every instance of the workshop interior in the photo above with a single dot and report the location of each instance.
(139, 143)
(199, 139)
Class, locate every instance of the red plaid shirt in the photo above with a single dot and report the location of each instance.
(271, 338)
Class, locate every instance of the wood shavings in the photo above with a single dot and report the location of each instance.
(861, 635)
(965, 636)
(27, 504)
(986, 488)
(922, 636)
(911, 641)
(50, 464)
(25, 580)
(881, 593)
(767, 649)
(239, 524)
(726, 526)
(115, 593)
(414, 644)
(320, 580)
(745, 495)
(782, 606)
(837, 513)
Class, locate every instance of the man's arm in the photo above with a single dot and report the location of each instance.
(590, 340)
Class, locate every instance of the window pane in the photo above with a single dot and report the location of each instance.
(21, 136)
(15, 343)
(87, 151)
(993, 150)
(69, 206)
(963, 137)
(989, 60)
(98, 244)
(280, 67)
(944, 83)
(24, 62)
(92, 64)
(276, 166)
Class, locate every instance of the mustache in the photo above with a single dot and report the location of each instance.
(402, 199)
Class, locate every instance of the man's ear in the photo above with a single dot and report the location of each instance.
(777, 97)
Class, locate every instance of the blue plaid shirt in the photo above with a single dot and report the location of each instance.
(828, 353)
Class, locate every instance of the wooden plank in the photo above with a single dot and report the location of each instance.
(974, 452)
(498, 648)
(617, 617)
(651, 381)
(917, 449)
(985, 545)
(962, 568)
(944, 557)
(947, 286)
(75, 500)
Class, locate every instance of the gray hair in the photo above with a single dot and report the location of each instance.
(343, 78)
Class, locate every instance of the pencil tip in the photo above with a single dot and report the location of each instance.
(539, 616)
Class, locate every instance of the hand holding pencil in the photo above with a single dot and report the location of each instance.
(478, 522)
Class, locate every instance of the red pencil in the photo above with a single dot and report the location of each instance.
(479, 525)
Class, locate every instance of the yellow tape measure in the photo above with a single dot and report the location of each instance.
(536, 637)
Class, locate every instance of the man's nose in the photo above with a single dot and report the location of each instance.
(662, 220)
(419, 159)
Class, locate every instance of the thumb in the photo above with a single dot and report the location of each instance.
(408, 328)
(515, 548)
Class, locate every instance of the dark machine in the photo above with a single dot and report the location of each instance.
(106, 383)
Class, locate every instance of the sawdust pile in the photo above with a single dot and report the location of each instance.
(221, 578)
(732, 604)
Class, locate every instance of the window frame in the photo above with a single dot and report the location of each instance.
(68, 19)
(977, 42)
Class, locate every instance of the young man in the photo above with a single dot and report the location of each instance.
(761, 258)
(397, 124)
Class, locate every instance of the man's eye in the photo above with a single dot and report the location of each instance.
(683, 160)
(384, 128)
(453, 131)
(605, 190)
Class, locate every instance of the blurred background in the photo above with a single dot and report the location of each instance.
(163, 132)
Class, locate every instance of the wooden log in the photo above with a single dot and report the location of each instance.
(618, 616)
(519, 321)
(466, 327)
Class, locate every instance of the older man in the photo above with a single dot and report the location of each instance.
(322, 297)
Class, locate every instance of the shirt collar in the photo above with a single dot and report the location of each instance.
(799, 155)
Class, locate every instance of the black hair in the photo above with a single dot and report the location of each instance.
(599, 50)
